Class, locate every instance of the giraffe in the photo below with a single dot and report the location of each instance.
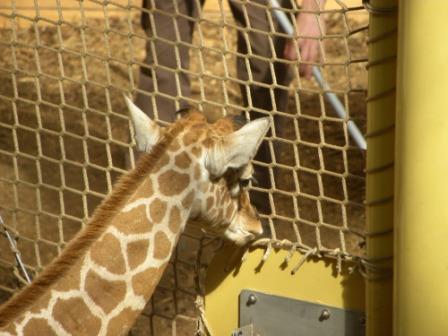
(103, 278)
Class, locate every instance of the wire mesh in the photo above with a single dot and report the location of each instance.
(64, 129)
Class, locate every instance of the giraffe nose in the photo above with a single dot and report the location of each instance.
(258, 229)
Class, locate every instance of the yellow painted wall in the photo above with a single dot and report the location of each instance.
(316, 281)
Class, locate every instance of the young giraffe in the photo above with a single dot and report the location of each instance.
(103, 279)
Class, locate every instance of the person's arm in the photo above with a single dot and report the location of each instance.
(307, 25)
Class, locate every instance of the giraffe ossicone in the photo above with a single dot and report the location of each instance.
(102, 280)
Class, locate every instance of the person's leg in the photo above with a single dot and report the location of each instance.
(169, 27)
(260, 46)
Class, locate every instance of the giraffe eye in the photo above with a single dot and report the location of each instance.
(244, 183)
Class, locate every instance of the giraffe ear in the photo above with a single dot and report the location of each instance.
(147, 132)
(237, 149)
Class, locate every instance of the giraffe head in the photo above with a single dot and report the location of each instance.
(218, 159)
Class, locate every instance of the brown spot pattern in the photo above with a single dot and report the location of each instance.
(197, 151)
(210, 202)
(145, 190)
(71, 280)
(223, 126)
(227, 198)
(38, 326)
(42, 302)
(106, 294)
(221, 213)
(203, 187)
(162, 245)
(220, 197)
(224, 197)
(10, 328)
(137, 252)
(174, 147)
(143, 283)
(162, 162)
(188, 200)
(173, 183)
(230, 211)
(157, 210)
(107, 253)
(207, 142)
(120, 324)
(175, 220)
(189, 138)
(213, 212)
(134, 221)
(197, 172)
(217, 194)
(182, 160)
(75, 317)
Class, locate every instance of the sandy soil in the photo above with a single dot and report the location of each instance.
(70, 164)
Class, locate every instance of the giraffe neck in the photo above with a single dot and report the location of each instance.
(104, 291)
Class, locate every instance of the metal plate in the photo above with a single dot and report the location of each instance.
(273, 315)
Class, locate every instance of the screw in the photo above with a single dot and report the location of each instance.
(324, 315)
(251, 300)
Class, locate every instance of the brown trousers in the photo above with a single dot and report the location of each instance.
(166, 55)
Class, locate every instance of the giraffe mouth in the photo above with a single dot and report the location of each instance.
(239, 236)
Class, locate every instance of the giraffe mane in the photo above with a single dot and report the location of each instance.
(101, 218)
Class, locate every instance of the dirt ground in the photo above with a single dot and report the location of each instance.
(62, 171)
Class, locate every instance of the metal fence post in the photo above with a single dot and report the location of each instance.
(421, 214)
(380, 165)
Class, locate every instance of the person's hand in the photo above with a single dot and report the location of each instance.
(307, 25)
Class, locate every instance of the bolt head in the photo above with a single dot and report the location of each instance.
(324, 315)
(252, 299)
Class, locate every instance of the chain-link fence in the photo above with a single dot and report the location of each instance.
(64, 128)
